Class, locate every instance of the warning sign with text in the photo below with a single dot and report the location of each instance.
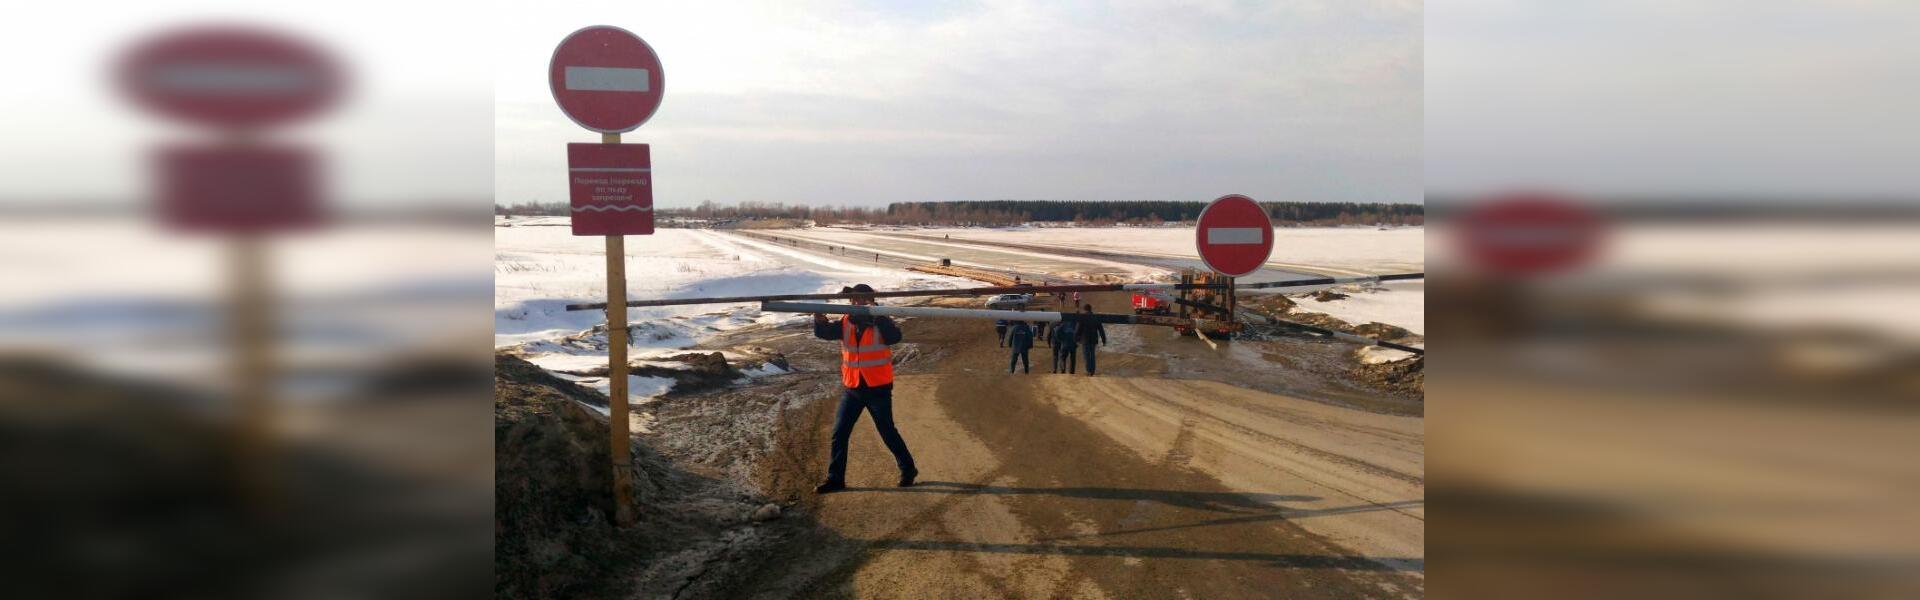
(611, 188)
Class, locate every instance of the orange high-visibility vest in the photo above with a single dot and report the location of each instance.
(864, 357)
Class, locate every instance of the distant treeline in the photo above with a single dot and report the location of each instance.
(1014, 212)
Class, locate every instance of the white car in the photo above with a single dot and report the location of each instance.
(1009, 301)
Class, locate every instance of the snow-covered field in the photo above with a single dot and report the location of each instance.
(1334, 250)
(1340, 251)
(540, 267)
(121, 295)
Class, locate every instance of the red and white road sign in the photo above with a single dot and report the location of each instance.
(1527, 234)
(231, 188)
(606, 79)
(230, 77)
(1234, 236)
(611, 187)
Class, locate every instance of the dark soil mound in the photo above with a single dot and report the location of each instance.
(1405, 376)
(553, 496)
(704, 371)
(1382, 331)
(554, 535)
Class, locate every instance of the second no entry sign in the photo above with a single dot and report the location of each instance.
(606, 79)
(1234, 236)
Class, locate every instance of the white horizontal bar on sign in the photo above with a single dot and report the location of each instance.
(238, 79)
(1235, 235)
(610, 170)
(629, 207)
(607, 79)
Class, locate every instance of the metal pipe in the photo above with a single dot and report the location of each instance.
(1348, 337)
(1018, 289)
(974, 313)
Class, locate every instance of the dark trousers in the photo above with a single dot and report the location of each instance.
(878, 401)
(1063, 358)
(1088, 350)
(1020, 358)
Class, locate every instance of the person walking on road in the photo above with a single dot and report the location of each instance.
(1063, 337)
(1020, 339)
(1091, 333)
(1000, 331)
(866, 374)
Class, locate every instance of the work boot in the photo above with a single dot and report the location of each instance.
(906, 477)
(829, 487)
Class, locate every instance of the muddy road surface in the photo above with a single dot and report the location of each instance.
(1127, 484)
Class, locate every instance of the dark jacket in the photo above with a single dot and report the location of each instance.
(1020, 335)
(830, 330)
(1063, 333)
(1088, 331)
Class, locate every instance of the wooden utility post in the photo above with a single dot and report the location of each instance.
(618, 433)
(250, 335)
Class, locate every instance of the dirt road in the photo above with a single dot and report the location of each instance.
(1123, 485)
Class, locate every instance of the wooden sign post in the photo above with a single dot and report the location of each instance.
(238, 187)
(619, 432)
(607, 79)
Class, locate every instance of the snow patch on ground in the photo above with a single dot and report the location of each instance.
(1399, 303)
(1373, 355)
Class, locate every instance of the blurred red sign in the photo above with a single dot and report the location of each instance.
(1234, 236)
(606, 79)
(238, 189)
(230, 77)
(1531, 234)
(611, 188)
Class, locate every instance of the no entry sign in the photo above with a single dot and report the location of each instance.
(606, 79)
(1234, 236)
(229, 77)
(611, 187)
(1530, 234)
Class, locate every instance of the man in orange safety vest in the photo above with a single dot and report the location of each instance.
(866, 371)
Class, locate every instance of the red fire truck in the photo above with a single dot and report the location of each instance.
(1146, 303)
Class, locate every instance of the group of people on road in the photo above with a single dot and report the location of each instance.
(1064, 337)
(866, 373)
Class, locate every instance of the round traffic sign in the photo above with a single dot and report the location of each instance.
(1530, 234)
(606, 79)
(1234, 236)
(229, 76)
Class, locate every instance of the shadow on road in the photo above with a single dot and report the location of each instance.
(1280, 515)
(1306, 561)
(1208, 501)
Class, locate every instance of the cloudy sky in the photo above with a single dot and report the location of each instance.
(863, 103)
(416, 124)
(1794, 100)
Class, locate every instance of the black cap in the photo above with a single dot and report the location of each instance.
(858, 287)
